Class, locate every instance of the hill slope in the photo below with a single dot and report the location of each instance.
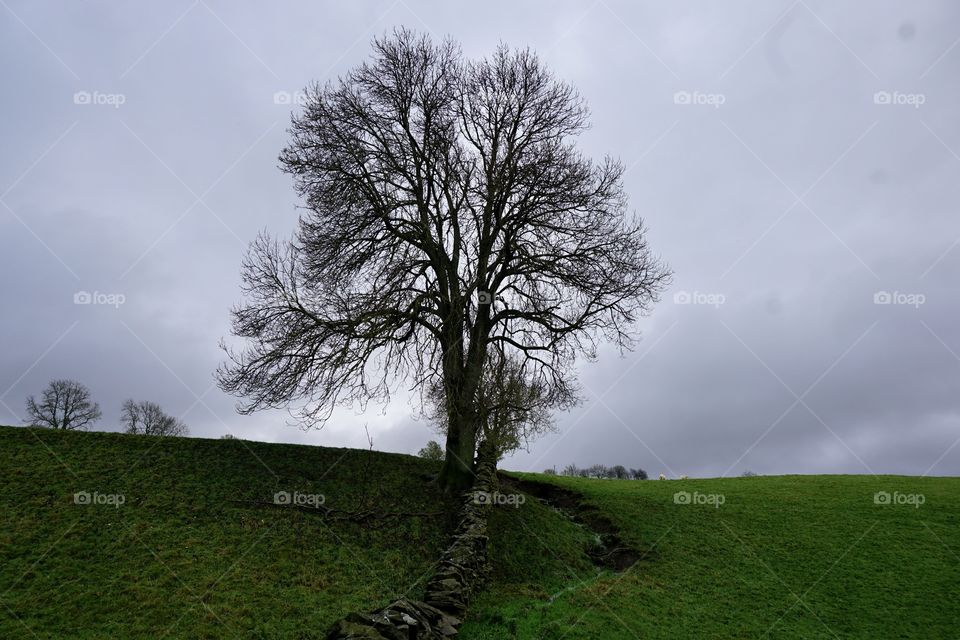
(767, 557)
(197, 550)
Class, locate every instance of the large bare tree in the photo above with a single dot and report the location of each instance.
(448, 212)
(64, 404)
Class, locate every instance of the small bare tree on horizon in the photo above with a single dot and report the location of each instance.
(447, 213)
(148, 418)
(64, 404)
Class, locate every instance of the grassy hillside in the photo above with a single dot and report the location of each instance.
(781, 557)
(190, 555)
(196, 551)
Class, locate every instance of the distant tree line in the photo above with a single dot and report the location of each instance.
(69, 405)
(616, 472)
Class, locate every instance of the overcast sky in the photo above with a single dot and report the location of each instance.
(797, 163)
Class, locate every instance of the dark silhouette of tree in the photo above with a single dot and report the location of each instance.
(619, 472)
(432, 451)
(448, 213)
(512, 409)
(147, 418)
(64, 404)
(638, 474)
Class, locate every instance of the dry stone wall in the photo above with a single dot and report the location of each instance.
(460, 573)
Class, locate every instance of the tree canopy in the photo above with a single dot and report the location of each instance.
(448, 215)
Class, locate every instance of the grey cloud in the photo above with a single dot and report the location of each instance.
(116, 201)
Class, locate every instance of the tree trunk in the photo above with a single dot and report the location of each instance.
(456, 476)
(461, 374)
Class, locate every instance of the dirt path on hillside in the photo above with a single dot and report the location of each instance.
(610, 552)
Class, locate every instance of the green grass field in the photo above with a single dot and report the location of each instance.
(782, 557)
(185, 556)
(196, 551)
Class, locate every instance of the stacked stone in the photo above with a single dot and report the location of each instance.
(461, 571)
(403, 620)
